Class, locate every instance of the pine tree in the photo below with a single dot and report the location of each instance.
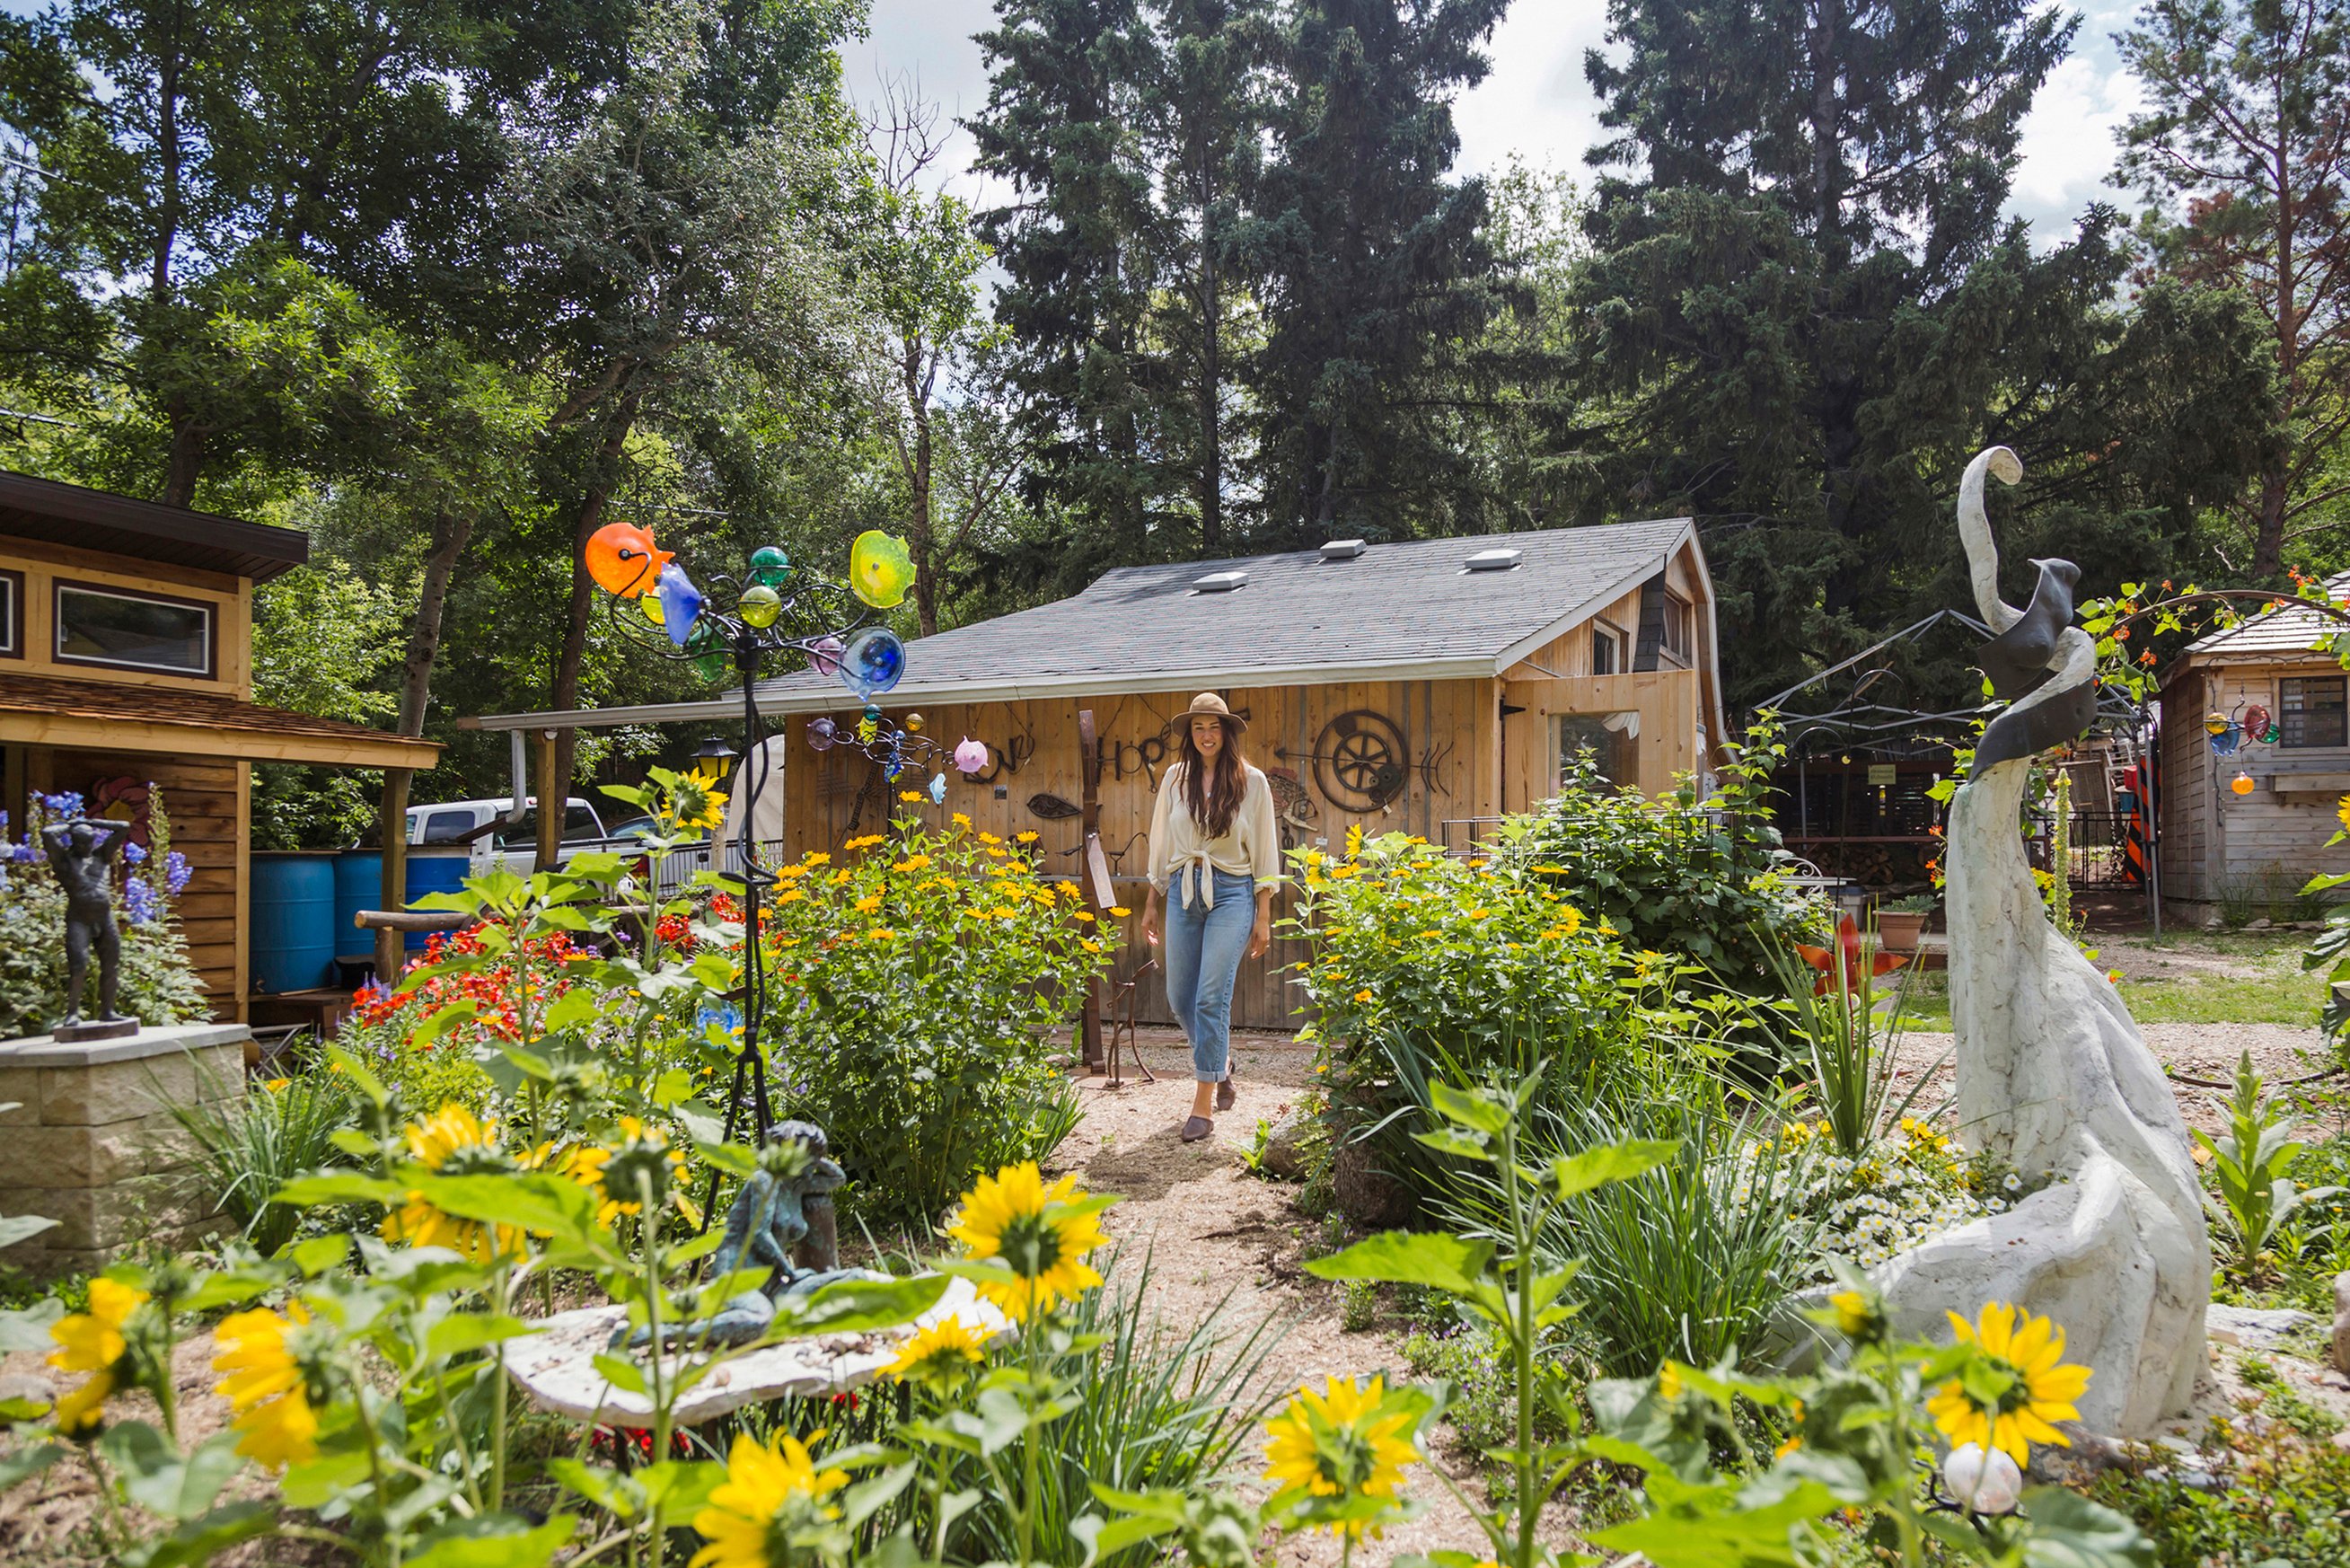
(2250, 130)
(1804, 312)
(1058, 128)
(1373, 262)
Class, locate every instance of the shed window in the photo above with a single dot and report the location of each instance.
(1679, 634)
(1606, 650)
(122, 630)
(2311, 711)
(12, 615)
(1606, 738)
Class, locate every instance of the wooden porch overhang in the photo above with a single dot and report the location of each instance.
(46, 711)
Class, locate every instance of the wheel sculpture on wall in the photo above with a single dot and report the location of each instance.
(1359, 760)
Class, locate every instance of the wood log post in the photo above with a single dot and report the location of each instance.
(1089, 1026)
(551, 798)
(390, 949)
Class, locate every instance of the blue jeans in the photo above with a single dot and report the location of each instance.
(1203, 958)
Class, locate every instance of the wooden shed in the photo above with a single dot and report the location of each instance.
(126, 659)
(2218, 844)
(1427, 687)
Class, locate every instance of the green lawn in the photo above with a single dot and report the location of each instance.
(2280, 993)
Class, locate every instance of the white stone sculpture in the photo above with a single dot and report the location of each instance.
(2053, 1074)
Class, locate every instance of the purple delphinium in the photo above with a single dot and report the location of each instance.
(135, 854)
(65, 802)
(24, 854)
(139, 901)
(176, 873)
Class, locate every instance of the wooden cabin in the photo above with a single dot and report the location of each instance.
(1427, 687)
(2218, 842)
(126, 659)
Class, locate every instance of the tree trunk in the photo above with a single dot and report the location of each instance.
(450, 533)
(2276, 484)
(1212, 453)
(921, 524)
(564, 692)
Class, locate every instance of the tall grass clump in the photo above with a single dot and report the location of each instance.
(1692, 1260)
(249, 1146)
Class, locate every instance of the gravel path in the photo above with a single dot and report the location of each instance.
(1221, 1238)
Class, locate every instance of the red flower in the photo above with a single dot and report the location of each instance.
(1831, 974)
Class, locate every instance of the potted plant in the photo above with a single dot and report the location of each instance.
(1902, 921)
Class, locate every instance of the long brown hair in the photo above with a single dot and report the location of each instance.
(1214, 801)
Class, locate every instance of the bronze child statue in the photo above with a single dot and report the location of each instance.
(783, 1221)
(81, 852)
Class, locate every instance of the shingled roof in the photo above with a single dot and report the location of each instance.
(1411, 611)
(2268, 633)
(1405, 611)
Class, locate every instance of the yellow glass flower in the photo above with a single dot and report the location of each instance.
(768, 1491)
(2042, 1387)
(1041, 1232)
(940, 1355)
(265, 1385)
(456, 1142)
(1337, 1446)
(881, 569)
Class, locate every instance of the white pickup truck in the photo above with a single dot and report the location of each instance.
(482, 827)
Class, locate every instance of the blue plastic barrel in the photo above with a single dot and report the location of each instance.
(358, 885)
(291, 923)
(434, 870)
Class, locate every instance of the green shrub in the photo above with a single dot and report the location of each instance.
(159, 984)
(1429, 969)
(1701, 878)
(2274, 1497)
(915, 981)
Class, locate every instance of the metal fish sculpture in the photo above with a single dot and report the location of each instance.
(1053, 808)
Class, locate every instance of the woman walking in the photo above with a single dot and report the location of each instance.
(1215, 859)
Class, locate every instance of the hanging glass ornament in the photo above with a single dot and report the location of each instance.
(971, 756)
(869, 726)
(770, 567)
(938, 789)
(873, 661)
(2242, 783)
(821, 733)
(825, 655)
(759, 606)
(680, 603)
(913, 723)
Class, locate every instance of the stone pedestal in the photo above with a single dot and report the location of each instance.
(92, 1143)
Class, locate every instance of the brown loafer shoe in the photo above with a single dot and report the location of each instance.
(1197, 1128)
(1226, 1096)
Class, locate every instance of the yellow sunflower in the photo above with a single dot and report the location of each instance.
(692, 804)
(1337, 1447)
(939, 1356)
(265, 1385)
(453, 1141)
(94, 1342)
(2026, 1354)
(1043, 1233)
(767, 1493)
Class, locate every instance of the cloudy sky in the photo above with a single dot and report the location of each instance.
(1536, 103)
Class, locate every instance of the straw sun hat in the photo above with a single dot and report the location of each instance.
(1208, 703)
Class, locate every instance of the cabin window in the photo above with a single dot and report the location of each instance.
(117, 630)
(1680, 628)
(2311, 711)
(1605, 737)
(12, 615)
(1606, 650)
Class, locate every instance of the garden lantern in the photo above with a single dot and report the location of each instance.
(712, 759)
